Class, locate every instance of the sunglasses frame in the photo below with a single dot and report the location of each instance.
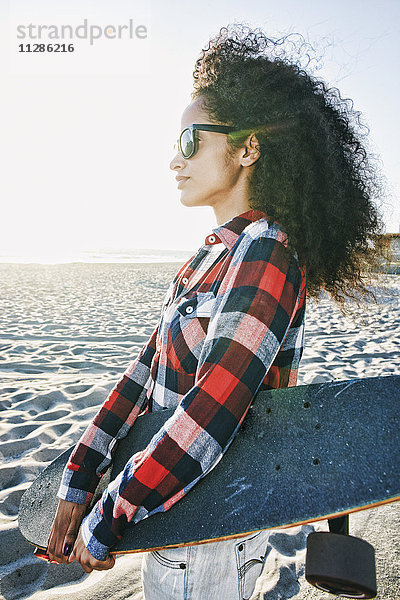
(201, 127)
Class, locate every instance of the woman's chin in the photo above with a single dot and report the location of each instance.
(190, 200)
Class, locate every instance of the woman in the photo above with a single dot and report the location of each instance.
(278, 158)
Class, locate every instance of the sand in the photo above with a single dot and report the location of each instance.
(67, 334)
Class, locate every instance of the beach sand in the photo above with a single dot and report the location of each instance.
(67, 334)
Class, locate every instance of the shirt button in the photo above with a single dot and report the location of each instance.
(189, 309)
(241, 547)
(211, 239)
(185, 280)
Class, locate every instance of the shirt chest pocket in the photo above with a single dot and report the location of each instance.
(200, 305)
(188, 330)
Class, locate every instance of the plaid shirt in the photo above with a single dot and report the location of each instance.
(232, 322)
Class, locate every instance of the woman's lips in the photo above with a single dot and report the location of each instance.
(182, 181)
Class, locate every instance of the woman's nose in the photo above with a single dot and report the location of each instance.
(177, 160)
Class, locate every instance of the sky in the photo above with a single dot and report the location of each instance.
(87, 135)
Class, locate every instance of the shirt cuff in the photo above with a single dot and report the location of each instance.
(74, 486)
(97, 549)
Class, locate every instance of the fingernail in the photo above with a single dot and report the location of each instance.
(67, 549)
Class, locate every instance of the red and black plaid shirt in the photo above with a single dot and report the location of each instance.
(232, 321)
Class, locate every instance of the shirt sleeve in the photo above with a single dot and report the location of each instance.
(93, 452)
(255, 304)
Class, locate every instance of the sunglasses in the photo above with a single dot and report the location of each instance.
(187, 144)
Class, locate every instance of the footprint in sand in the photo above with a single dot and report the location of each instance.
(62, 428)
(78, 350)
(9, 506)
(5, 347)
(27, 370)
(10, 477)
(77, 389)
(20, 432)
(47, 437)
(62, 575)
(49, 400)
(57, 348)
(26, 408)
(53, 415)
(21, 396)
(46, 454)
(18, 447)
(8, 390)
(24, 581)
(13, 538)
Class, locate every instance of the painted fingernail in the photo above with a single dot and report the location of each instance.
(67, 549)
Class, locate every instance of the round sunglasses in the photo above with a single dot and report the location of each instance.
(187, 144)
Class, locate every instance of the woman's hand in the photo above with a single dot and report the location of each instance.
(64, 530)
(87, 561)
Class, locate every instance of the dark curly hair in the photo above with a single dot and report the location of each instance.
(314, 175)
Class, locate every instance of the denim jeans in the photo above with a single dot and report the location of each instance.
(225, 570)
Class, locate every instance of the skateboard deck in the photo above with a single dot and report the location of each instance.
(303, 454)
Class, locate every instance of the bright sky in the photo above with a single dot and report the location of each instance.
(87, 136)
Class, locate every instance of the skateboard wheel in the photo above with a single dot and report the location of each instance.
(341, 564)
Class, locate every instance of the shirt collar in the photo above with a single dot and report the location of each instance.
(228, 232)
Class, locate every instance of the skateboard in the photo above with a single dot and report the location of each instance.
(302, 454)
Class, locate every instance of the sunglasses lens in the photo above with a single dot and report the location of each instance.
(187, 143)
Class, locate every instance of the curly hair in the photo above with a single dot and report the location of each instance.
(314, 175)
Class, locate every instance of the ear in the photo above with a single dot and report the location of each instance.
(252, 151)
